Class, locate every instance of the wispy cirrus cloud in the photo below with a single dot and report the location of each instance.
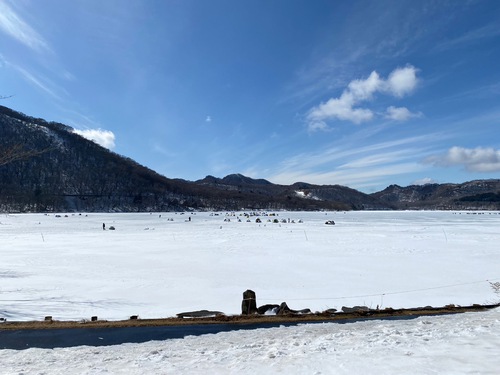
(334, 155)
(14, 26)
(479, 159)
(41, 83)
(399, 83)
(358, 179)
(473, 36)
(34, 70)
(359, 167)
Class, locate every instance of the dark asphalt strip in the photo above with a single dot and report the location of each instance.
(65, 338)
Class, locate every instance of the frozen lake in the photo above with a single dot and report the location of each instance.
(157, 265)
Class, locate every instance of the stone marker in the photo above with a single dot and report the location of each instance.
(249, 303)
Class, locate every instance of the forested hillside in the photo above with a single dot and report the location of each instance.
(58, 170)
(46, 167)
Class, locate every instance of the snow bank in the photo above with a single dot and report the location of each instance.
(459, 344)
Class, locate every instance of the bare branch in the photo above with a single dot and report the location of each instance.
(17, 152)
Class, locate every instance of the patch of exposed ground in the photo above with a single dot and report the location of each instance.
(248, 319)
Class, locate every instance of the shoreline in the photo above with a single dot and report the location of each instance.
(242, 320)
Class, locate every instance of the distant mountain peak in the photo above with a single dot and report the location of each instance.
(239, 179)
(477, 194)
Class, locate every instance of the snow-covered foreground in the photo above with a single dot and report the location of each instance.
(156, 266)
(459, 344)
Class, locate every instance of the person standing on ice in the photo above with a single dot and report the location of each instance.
(103, 226)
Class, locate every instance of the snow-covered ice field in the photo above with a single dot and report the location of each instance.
(157, 266)
(151, 266)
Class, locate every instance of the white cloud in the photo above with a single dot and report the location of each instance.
(400, 82)
(105, 138)
(340, 108)
(318, 126)
(400, 114)
(15, 26)
(364, 89)
(477, 159)
(424, 181)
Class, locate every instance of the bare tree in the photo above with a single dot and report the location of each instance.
(18, 152)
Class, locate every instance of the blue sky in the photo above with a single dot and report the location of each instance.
(358, 93)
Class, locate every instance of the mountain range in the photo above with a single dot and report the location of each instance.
(47, 167)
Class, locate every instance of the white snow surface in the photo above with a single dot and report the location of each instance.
(459, 344)
(158, 265)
